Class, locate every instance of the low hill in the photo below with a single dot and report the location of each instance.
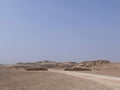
(97, 64)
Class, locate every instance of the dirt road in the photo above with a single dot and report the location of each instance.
(11, 79)
(110, 81)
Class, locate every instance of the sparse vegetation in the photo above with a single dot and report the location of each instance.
(36, 69)
(77, 69)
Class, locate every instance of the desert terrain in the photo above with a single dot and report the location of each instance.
(101, 76)
(11, 79)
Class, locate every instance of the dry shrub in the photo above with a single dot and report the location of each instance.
(36, 69)
(77, 69)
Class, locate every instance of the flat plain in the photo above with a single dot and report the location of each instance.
(13, 79)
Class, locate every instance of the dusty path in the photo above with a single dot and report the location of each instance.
(45, 80)
(110, 81)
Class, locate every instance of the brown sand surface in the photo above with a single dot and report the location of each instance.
(106, 72)
(11, 79)
(110, 81)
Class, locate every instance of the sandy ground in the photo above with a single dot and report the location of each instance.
(115, 73)
(110, 81)
(11, 79)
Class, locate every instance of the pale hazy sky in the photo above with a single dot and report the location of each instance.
(62, 30)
